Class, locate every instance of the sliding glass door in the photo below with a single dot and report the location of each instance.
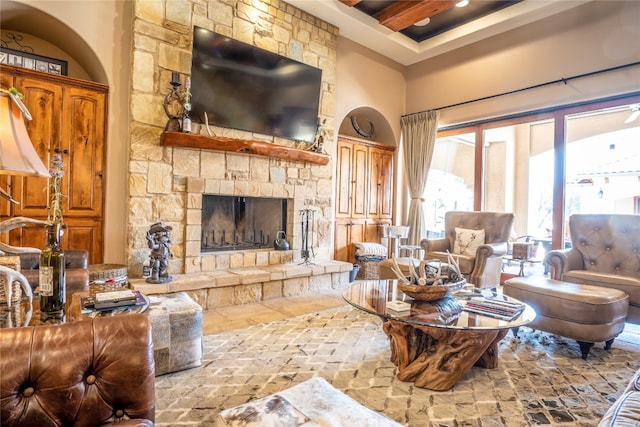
(450, 186)
(603, 161)
(543, 166)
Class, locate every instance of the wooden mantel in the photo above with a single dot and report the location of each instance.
(246, 146)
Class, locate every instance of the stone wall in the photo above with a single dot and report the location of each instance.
(166, 184)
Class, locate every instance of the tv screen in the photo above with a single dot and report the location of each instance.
(243, 87)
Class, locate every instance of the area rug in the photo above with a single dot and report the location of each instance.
(541, 378)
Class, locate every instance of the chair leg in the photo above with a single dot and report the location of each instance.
(585, 347)
(608, 343)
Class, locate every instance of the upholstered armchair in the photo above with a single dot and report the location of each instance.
(477, 240)
(605, 251)
(87, 373)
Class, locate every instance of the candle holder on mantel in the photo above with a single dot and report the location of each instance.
(177, 105)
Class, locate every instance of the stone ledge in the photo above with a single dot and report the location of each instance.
(252, 284)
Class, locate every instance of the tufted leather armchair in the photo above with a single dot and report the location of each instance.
(85, 373)
(483, 269)
(605, 252)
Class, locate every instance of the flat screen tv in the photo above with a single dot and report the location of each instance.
(243, 87)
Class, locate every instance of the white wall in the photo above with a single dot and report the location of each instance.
(592, 37)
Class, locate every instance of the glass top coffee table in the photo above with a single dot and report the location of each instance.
(436, 342)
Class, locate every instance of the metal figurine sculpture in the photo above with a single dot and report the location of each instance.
(158, 239)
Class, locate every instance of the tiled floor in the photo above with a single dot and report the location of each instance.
(239, 316)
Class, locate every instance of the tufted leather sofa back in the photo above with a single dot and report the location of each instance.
(608, 243)
(496, 225)
(84, 373)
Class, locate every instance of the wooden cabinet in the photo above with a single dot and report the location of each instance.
(68, 117)
(364, 194)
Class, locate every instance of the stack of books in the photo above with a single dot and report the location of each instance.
(398, 307)
(112, 300)
(499, 309)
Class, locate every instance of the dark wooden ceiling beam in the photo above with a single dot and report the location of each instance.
(403, 14)
(350, 3)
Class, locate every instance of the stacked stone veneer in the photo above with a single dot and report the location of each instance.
(166, 184)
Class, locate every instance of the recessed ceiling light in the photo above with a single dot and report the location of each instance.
(423, 22)
(462, 3)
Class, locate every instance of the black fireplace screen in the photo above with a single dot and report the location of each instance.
(231, 223)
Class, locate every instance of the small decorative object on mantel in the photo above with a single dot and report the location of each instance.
(186, 121)
(321, 133)
(52, 261)
(174, 105)
(432, 280)
(158, 240)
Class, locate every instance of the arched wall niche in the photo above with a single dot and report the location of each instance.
(51, 37)
(365, 117)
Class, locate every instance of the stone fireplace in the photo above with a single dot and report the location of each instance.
(231, 223)
(169, 184)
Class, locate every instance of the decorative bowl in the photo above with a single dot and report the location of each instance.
(430, 292)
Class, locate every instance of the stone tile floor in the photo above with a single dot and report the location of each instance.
(541, 379)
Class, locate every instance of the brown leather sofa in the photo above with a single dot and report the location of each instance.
(483, 268)
(85, 373)
(605, 252)
(77, 269)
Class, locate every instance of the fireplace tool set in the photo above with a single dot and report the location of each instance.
(308, 216)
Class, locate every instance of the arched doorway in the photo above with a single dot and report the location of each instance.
(365, 180)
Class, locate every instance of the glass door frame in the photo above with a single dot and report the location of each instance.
(559, 116)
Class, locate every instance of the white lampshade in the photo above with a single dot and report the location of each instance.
(17, 155)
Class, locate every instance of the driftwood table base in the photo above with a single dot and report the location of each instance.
(436, 358)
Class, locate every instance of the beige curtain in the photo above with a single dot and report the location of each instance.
(418, 136)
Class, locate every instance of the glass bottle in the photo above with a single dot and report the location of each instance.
(52, 276)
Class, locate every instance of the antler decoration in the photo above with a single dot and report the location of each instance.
(427, 274)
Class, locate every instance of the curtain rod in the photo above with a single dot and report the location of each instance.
(564, 80)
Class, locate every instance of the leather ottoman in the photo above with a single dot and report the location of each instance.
(585, 313)
(176, 330)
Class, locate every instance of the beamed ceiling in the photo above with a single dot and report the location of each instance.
(388, 27)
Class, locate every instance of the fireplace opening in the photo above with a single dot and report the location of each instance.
(231, 223)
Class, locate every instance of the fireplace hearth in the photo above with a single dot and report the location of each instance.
(231, 223)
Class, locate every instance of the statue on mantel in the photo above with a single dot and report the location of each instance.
(158, 239)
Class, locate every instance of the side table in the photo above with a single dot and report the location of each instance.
(521, 261)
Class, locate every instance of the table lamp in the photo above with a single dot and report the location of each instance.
(17, 155)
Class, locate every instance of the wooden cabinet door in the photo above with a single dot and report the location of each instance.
(347, 233)
(69, 117)
(344, 160)
(385, 200)
(83, 148)
(380, 183)
(360, 181)
(351, 177)
(44, 102)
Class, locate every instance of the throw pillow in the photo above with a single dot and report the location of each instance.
(467, 241)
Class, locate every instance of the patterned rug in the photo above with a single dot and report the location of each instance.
(541, 378)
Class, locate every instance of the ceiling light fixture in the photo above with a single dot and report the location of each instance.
(422, 22)
(462, 3)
